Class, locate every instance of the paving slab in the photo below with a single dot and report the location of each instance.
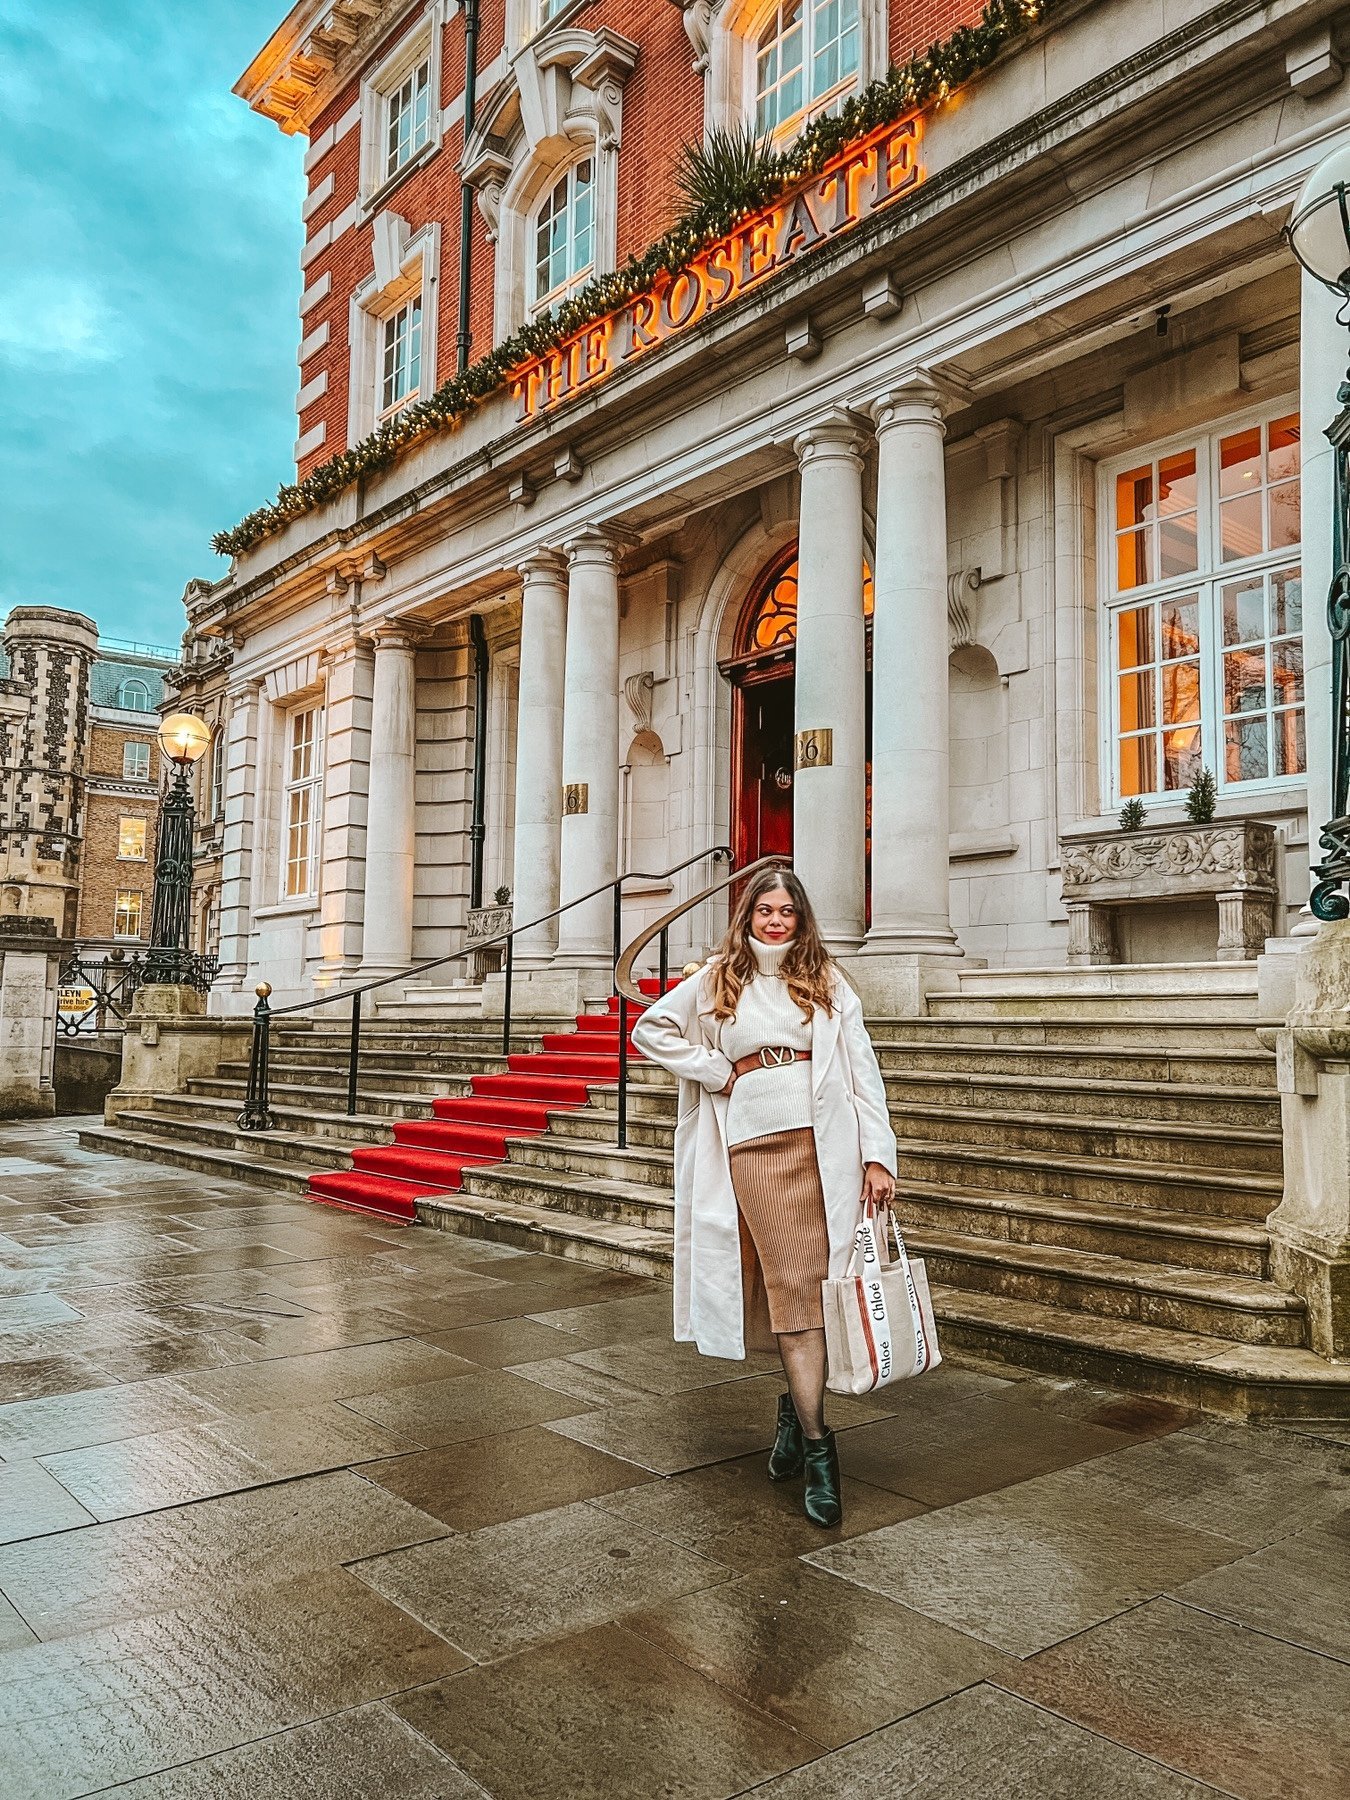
(619, 1720)
(366, 1754)
(495, 1591)
(819, 1654)
(732, 1513)
(170, 1468)
(33, 1503)
(1297, 1588)
(78, 1581)
(670, 1432)
(1241, 1482)
(502, 1342)
(101, 1416)
(479, 1404)
(508, 1476)
(1256, 1717)
(151, 1693)
(1027, 1566)
(983, 1745)
(948, 1444)
(326, 1375)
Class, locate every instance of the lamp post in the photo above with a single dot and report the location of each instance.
(1319, 236)
(182, 739)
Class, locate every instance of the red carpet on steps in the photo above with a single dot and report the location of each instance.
(429, 1156)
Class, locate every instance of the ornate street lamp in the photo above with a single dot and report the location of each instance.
(182, 739)
(1319, 236)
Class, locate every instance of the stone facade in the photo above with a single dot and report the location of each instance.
(933, 429)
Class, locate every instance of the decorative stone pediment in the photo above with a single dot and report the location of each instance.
(564, 77)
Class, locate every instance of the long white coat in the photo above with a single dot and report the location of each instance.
(852, 1128)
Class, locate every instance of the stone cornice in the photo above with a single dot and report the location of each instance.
(319, 46)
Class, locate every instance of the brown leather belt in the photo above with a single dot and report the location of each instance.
(772, 1056)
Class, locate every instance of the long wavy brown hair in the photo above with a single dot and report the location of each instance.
(807, 968)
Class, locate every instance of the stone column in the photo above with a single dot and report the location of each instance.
(391, 841)
(910, 753)
(243, 772)
(539, 753)
(590, 748)
(348, 690)
(829, 810)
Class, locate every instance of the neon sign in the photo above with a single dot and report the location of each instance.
(867, 177)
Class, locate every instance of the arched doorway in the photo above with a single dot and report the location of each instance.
(761, 670)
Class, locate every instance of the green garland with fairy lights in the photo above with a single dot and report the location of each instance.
(930, 75)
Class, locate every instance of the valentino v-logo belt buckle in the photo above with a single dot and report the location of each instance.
(774, 1056)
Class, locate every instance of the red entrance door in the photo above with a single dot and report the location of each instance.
(762, 759)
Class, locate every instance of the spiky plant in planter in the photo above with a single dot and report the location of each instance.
(1132, 815)
(716, 175)
(1202, 797)
(502, 896)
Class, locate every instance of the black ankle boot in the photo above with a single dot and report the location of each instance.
(823, 1504)
(785, 1459)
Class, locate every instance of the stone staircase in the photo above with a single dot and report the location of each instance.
(1087, 1162)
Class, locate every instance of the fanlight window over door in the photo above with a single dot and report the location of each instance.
(770, 621)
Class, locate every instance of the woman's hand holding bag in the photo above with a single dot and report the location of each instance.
(879, 1324)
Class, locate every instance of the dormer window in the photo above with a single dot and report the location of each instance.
(807, 54)
(564, 233)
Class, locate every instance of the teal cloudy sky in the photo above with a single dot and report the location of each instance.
(149, 244)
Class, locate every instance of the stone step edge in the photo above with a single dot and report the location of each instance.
(218, 1103)
(1235, 1366)
(237, 1165)
(1248, 1293)
(629, 1247)
(587, 1150)
(1120, 1168)
(1238, 1234)
(329, 1152)
(1249, 1135)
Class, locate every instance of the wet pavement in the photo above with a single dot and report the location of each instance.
(294, 1503)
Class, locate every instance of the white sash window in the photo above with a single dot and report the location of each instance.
(564, 236)
(1204, 651)
(302, 803)
(806, 54)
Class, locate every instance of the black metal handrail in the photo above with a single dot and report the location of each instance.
(629, 989)
(257, 1110)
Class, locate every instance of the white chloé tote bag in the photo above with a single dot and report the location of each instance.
(879, 1324)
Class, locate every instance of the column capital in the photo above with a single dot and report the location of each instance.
(916, 400)
(542, 565)
(598, 544)
(398, 634)
(837, 436)
(244, 689)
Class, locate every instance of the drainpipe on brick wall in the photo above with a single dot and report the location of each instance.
(478, 827)
(464, 334)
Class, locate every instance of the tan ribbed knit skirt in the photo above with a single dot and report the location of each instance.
(785, 1244)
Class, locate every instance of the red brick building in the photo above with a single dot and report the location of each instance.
(581, 111)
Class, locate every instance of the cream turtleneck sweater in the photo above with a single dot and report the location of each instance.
(775, 1099)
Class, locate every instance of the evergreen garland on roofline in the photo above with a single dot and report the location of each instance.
(928, 75)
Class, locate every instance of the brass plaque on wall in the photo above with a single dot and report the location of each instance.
(576, 798)
(815, 749)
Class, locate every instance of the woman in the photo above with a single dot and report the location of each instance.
(783, 1131)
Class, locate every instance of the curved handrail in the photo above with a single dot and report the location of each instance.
(623, 969)
(257, 1112)
(501, 937)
